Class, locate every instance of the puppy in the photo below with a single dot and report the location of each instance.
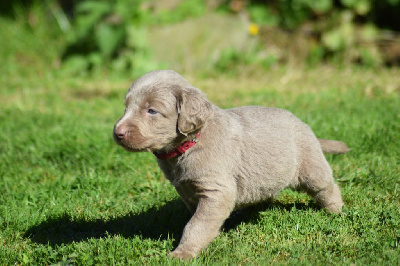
(221, 160)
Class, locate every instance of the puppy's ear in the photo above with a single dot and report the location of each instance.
(194, 109)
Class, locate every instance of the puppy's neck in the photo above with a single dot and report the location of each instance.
(184, 145)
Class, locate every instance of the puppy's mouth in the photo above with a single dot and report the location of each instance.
(128, 146)
(130, 149)
(133, 141)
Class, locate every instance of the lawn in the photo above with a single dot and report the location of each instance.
(70, 195)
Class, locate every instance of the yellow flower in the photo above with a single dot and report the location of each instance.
(253, 29)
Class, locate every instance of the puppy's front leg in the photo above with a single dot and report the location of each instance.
(214, 207)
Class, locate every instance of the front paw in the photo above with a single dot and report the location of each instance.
(182, 254)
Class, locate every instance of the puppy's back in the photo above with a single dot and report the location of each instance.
(266, 121)
(269, 152)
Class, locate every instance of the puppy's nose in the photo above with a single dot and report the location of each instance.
(120, 132)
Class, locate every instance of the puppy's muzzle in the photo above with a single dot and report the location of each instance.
(129, 137)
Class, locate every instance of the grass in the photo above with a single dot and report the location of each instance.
(69, 195)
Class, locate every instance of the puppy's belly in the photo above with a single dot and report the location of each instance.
(249, 195)
(263, 184)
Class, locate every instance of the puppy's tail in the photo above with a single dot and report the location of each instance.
(333, 146)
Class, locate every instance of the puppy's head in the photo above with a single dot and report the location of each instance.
(161, 110)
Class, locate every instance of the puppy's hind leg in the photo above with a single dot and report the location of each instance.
(317, 180)
(330, 198)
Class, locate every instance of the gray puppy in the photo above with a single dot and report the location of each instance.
(221, 160)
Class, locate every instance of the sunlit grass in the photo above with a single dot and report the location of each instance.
(68, 193)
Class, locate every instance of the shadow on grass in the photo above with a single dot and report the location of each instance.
(156, 223)
(252, 214)
(161, 223)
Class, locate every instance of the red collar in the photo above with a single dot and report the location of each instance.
(179, 150)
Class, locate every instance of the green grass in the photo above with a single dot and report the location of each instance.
(70, 195)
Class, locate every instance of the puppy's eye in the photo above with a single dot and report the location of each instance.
(152, 111)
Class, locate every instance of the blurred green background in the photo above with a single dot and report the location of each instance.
(131, 37)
